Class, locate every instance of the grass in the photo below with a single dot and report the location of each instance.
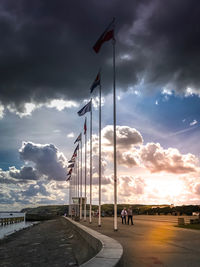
(190, 226)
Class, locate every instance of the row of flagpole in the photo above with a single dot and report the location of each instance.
(90, 216)
(107, 35)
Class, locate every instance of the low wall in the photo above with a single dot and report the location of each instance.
(109, 251)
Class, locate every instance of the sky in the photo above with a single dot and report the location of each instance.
(47, 67)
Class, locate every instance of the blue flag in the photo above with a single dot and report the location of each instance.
(85, 109)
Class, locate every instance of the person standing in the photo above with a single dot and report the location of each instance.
(73, 213)
(123, 215)
(130, 215)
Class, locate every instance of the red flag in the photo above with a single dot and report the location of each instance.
(85, 126)
(107, 35)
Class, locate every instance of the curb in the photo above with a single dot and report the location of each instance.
(109, 251)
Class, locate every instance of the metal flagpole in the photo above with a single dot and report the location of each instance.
(81, 183)
(69, 207)
(75, 184)
(78, 186)
(99, 222)
(78, 176)
(75, 180)
(85, 168)
(114, 137)
(91, 164)
(69, 198)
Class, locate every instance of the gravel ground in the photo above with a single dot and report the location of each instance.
(49, 243)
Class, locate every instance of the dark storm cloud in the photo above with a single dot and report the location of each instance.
(6, 199)
(35, 189)
(47, 159)
(46, 46)
(25, 173)
(172, 43)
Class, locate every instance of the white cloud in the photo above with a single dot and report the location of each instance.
(126, 136)
(166, 91)
(191, 91)
(153, 157)
(61, 104)
(1, 111)
(70, 135)
(95, 102)
(129, 185)
(28, 108)
(157, 159)
(182, 131)
(193, 122)
(47, 159)
(128, 159)
(197, 189)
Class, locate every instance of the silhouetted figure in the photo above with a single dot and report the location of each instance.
(123, 215)
(130, 215)
(73, 213)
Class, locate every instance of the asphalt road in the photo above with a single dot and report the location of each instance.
(150, 242)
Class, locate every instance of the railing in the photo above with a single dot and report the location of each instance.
(10, 218)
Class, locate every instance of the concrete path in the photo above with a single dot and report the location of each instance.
(152, 243)
(49, 244)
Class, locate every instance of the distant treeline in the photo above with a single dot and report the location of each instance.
(107, 209)
(52, 211)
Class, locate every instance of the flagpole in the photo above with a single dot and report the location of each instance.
(114, 139)
(75, 184)
(70, 194)
(85, 168)
(69, 199)
(99, 222)
(81, 183)
(75, 180)
(78, 185)
(90, 216)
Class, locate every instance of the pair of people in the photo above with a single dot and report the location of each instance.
(126, 213)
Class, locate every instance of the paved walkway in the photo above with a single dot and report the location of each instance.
(151, 243)
(49, 244)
